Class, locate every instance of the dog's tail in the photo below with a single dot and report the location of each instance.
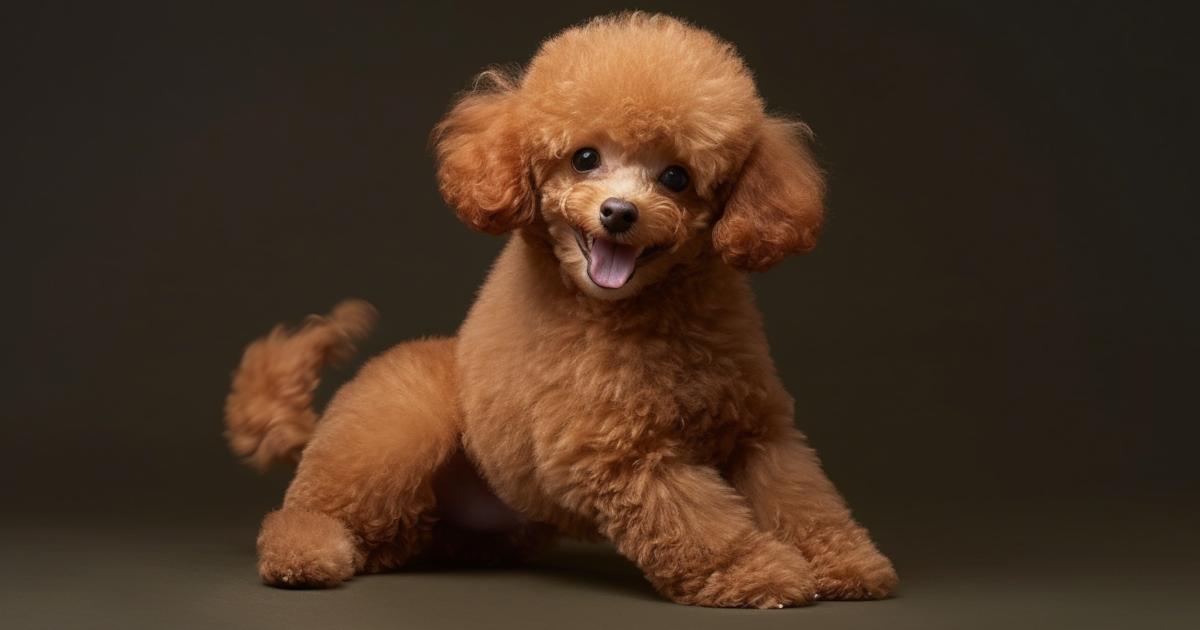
(268, 414)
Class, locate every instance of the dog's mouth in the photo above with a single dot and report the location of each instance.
(611, 263)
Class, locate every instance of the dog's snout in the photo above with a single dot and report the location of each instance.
(617, 215)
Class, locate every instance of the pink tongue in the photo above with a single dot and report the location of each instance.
(612, 263)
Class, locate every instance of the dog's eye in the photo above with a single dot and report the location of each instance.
(674, 178)
(586, 159)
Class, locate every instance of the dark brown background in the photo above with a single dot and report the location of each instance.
(993, 347)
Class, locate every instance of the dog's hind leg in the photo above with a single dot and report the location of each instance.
(363, 498)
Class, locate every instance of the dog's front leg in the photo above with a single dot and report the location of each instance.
(781, 476)
(691, 533)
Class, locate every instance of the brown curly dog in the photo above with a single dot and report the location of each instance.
(612, 378)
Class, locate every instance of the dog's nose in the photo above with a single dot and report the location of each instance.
(617, 215)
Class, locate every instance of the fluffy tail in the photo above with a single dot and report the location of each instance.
(268, 414)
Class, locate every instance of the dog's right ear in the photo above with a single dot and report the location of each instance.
(483, 172)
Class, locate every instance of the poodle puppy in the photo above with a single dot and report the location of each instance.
(612, 379)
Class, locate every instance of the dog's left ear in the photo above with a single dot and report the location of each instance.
(776, 205)
(482, 171)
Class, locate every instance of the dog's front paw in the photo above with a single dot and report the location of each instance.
(861, 573)
(769, 574)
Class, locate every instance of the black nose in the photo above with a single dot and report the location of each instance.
(617, 215)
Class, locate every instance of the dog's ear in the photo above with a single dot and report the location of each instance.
(776, 204)
(483, 172)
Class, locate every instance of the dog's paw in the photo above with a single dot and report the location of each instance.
(770, 575)
(304, 550)
(862, 573)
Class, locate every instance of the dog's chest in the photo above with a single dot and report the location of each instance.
(692, 387)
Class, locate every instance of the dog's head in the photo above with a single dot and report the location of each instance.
(636, 144)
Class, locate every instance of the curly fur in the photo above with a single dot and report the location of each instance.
(268, 413)
(650, 415)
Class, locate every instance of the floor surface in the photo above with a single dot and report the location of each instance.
(1120, 573)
